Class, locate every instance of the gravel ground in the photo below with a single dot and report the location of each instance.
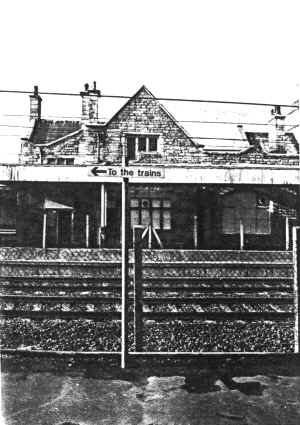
(87, 335)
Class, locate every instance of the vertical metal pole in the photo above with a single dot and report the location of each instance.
(44, 230)
(287, 234)
(138, 289)
(72, 228)
(195, 231)
(87, 230)
(57, 227)
(241, 235)
(150, 237)
(125, 277)
(103, 213)
(296, 264)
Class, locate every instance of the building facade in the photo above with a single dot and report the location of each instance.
(66, 192)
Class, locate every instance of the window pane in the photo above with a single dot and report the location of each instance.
(152, 143)
(70, 161)
(263, 222)
(230, 221)
(130, 147)
(156, 219)
(248, 217)
(145, 217)
(61, 161)
(155, 203)
(142, 144)
(51, 161)
(134, 218)
(134, 203)
(145, 203)
(166, 220)
(166, 203)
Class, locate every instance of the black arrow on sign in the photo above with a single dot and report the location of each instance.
(96, 171)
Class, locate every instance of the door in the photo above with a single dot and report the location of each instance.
(64, 228)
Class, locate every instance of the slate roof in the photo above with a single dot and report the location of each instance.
(45, 131)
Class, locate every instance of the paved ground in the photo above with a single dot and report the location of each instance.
(202, 398)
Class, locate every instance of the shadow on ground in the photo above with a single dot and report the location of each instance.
(92, 393)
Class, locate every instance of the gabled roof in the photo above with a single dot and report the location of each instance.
(46, 131)
(165, 111)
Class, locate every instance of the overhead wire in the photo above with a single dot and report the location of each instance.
(167, 99)
(292, 126)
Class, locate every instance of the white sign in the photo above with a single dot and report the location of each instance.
(137, 172)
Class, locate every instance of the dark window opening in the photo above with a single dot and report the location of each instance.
(142, 144)
(60, 161)
(131, 147)
(152, 144)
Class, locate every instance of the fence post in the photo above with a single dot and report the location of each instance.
(87, 230)
(44, 239)
(287, 234)
(138, 288)
(296, 264)
(72, 228)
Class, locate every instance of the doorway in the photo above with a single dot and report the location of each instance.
(59, 228)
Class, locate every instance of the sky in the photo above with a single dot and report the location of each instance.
(233, 50)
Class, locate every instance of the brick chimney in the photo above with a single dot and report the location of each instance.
(90, 103)
(35, 104)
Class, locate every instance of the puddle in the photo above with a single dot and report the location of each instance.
(247, 388)
(200, 384)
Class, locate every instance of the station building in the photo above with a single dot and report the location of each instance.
(66, 192)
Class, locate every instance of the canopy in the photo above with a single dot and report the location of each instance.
(53, 205)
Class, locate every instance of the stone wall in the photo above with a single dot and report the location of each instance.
(144, 115)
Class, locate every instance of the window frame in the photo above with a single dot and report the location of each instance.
(56, 160)
(139, 208)
(138, 140)
(237, 213)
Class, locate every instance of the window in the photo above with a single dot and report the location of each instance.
(60, 161)
(252, 211)
(136, 144)
(8, 205)
(156, 212)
